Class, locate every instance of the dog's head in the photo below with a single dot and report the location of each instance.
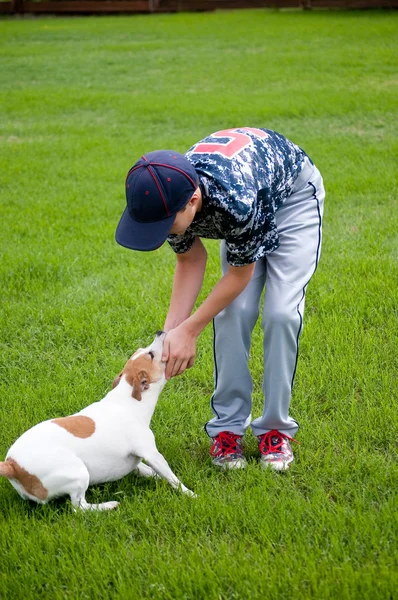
(144, 367)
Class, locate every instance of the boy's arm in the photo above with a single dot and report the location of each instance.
(180, 343)
(188, 279)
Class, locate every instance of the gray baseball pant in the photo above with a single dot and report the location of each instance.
(285, 273)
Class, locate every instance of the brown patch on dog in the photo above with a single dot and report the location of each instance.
(30, 483)
(6, 469)
(79, 425)
(116, 381)
(140, 372)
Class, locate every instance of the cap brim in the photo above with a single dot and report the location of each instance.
(142, 236)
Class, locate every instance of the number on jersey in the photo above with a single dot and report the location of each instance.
(236, 143)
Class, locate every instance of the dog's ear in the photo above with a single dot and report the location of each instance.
(140, 383)
(116, 380)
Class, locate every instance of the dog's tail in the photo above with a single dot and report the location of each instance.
(7, 469)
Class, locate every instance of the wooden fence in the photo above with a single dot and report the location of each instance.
(153, 6)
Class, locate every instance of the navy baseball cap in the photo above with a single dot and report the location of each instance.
(158, 185)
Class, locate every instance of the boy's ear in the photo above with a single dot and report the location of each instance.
(195, 197)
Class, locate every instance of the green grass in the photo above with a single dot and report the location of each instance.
(80, 100)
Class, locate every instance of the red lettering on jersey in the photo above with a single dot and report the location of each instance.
(238, 142)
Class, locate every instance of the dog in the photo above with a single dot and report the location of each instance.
(103, 442)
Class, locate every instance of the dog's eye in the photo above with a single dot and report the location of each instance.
(151, 354)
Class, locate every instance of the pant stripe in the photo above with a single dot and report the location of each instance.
(305, 287)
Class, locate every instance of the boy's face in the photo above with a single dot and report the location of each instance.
(185, 216)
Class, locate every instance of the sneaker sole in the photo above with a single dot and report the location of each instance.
(231, 464)
(277, 466)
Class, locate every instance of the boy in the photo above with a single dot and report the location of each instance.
(263, 197)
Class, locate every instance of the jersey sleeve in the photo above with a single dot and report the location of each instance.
(257, 238)
(181, 243)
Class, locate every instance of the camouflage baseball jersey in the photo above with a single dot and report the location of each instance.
(245, 175)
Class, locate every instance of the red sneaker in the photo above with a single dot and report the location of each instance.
(227, 451)
(276, 451)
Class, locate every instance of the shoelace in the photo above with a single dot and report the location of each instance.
(226, 443)
(272, 442)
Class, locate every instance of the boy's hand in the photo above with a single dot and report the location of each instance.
(179, 349)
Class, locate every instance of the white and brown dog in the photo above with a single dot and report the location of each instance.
(103, 442)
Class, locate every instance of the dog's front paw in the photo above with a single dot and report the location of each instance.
(190, 493)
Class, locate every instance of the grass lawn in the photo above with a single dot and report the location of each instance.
(81, 99)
